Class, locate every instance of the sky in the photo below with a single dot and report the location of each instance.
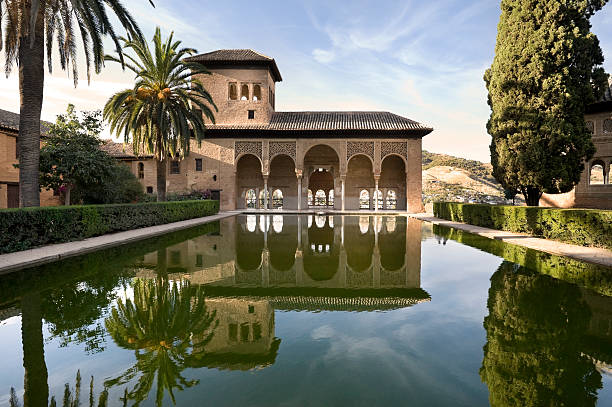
(420, 59)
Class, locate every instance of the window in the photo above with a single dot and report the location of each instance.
(391, 199)
(256, 93)
(251, 199)
(320, 198)
(277, 199)
(244, 332)
(379, 197)
(199, 260)
(364, 199)
(244, 92)
(597, 173)
(262, 199)
(251, 309)
(256, 331)
(198, 162)
(251, 114)
(140, 170)
(175, 167)
(233, 91)
(149, 190)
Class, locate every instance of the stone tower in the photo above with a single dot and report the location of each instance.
(242, 85)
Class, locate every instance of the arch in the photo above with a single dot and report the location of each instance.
(363, 155)
(244, 92)
(391, 199)
(321, 146)
(248, 177)
(282, 178)
(251, 199)
(140, 170)
(393, 178)
(320, 198)
(596, 173)
(359, 178)
(277, 199)
(394, 155)
(232, 92)
(256, 93)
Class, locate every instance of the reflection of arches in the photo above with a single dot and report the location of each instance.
(392, 244)
(393, 179)
(249, 245)
(282, 244)
(248, 177)
(359, 246)
(321, 257)
(597, 176)
(359, 178)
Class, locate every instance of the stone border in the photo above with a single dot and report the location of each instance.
(47, 254)
(602, 257)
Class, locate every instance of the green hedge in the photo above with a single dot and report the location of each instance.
(24, 228)
(585, 227)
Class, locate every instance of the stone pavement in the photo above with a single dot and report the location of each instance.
(588, 254)
(33, 257)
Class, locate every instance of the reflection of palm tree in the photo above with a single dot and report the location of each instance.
(35, 378)
(167, 324)
(534, 333)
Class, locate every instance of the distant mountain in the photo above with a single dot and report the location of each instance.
(448, 178)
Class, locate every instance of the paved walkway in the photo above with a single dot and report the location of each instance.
(588, 254)
(46, 254)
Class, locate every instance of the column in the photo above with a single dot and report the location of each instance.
(298, 174)
(376, 179)
(342, 179)
(265, 192)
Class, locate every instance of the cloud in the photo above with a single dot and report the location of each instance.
(323, 56)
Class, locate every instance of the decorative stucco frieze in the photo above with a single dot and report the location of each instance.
(359, 147)
(248, 147)
(393, 147)
(282, 147)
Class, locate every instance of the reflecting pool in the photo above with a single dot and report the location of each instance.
(274, 310)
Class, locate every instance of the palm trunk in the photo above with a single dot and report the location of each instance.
(161, 180)
(532, 195)
(67, 196)
(31, 83)
(35, 379)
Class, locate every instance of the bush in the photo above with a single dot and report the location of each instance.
(585, 227)
(188, 196)
(26, 228)
(119, 185)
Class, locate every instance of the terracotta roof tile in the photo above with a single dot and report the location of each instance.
(237, 57)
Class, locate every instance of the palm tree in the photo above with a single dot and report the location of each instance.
(32, 26)
(166, 105)
(167, 324)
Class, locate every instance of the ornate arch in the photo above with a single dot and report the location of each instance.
(287, 148)
(397, 148)
(320, 143)
(244, 154)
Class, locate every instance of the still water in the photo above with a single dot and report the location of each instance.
(309, 311)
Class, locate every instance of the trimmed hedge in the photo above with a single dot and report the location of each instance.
(585, 227)
(25, 228)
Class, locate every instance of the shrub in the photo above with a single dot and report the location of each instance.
(119, 185)
(25, 228)
(585, 227)
(189, 196)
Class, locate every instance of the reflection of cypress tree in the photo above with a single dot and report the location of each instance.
(167, 325)
(35, 378)
(534, 329)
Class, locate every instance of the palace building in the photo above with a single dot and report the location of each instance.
(259, 158)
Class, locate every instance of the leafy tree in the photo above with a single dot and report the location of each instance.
(165, 107)
(547, 68)
(32, 25)
(535, 330)
(71, 156)
(510, 193)
(119, 185)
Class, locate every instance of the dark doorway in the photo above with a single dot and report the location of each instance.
(12, 196)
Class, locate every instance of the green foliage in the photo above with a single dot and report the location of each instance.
(585, 227)
(119, 186)
(31, 227)
(547, 69)
(533, 355)
(166, 107)
(189, 196)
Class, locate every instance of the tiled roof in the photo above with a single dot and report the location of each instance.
(120, 150)
(334, 122)
(10, 121)
(237, 57)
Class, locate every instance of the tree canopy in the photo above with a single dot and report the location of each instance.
(547, 69)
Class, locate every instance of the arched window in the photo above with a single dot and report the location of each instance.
(597, 173)
(232, 91)
(310, 198)
(391, 199)
(244, 92)
(330, 198)
(277, 199)
(379, 196)
(140, 170)
(320, 198)
(262, 201)
(256, 93)
(364, 199)
(251, 199)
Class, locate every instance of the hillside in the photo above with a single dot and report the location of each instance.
(448, 178)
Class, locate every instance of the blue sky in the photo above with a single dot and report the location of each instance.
(422, 60)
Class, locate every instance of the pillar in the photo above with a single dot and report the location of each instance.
(298, 174)
(342, 179)
(265, 192)
(376, 179)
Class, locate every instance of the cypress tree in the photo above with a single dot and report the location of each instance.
(547, 69)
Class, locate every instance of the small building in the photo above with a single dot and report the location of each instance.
(260, 158)
(9, 157)
(594, 189)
